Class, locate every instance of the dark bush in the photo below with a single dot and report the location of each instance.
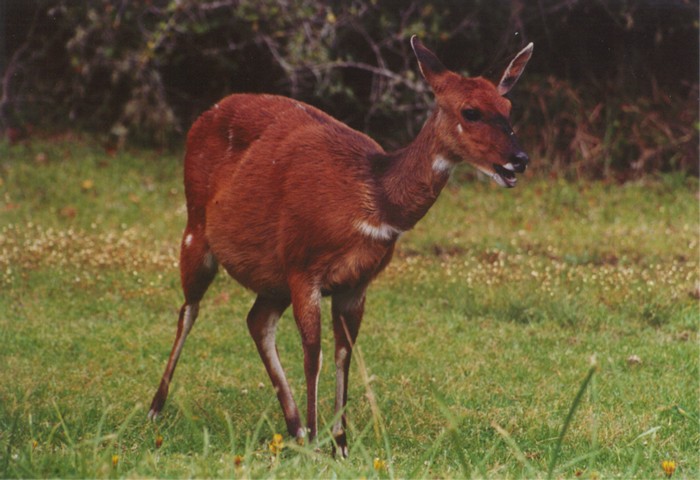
(612, 90)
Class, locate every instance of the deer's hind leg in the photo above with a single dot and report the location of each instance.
(198, 267)
(262, 324)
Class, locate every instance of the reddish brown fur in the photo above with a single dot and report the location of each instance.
(306, 163)
(292, 202)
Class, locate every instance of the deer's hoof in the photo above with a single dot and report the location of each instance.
(340, 445)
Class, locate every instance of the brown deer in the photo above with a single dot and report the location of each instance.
(296, 205)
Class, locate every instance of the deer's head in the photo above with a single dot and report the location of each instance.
(473, 116)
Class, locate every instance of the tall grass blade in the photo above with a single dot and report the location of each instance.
(428, 460)
(481, 466)
(595, 449)
(389, 456)
(358, 447)
(585, 456)
(685, 414)
(98, 435)
(567, 422)
(634, 465)
(453, 431)
(127, 420)
(321, 459)
(376, 416)
(64, 427)
(231, 434)
(651, 431)
(515, 448)
(378, 422)
(10, 442)
(205, 441)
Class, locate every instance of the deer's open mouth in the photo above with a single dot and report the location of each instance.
(503, 176)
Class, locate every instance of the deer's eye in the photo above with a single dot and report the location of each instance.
(471, 114)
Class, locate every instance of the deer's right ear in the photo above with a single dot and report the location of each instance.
(515, 69)
(430, 66)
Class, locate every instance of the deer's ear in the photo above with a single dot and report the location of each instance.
(430, 66)
(515, 69)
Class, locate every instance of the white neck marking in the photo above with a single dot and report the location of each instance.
(377, 232)
(442, 164)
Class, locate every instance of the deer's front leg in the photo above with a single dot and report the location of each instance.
(348, 308)
(306, 301)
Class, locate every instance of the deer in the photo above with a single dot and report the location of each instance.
(296, 205)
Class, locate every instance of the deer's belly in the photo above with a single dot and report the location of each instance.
(262, 271)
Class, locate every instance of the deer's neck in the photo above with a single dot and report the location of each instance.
(410, 179)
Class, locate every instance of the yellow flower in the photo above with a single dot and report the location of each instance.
(115, 460)
(379, 465)
(159, 441)
(276, 445)
(669, 467)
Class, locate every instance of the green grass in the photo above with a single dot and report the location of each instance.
(547, 330)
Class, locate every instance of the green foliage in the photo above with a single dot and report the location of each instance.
(471, 361)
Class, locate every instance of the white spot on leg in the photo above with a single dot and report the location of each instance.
(268, 344)
(341, 359)
(315, 297)
(337, 429)
(460, 130)
(271, 358)
(188, 240)
(318, 373)
(209, 260)
(340, 356)
(314, 421)
(189, 317)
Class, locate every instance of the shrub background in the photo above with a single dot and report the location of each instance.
(611, 92)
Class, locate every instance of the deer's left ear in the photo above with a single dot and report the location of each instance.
(515, 69)
(430, 66)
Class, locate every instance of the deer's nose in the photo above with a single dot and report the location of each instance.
(519, 161)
